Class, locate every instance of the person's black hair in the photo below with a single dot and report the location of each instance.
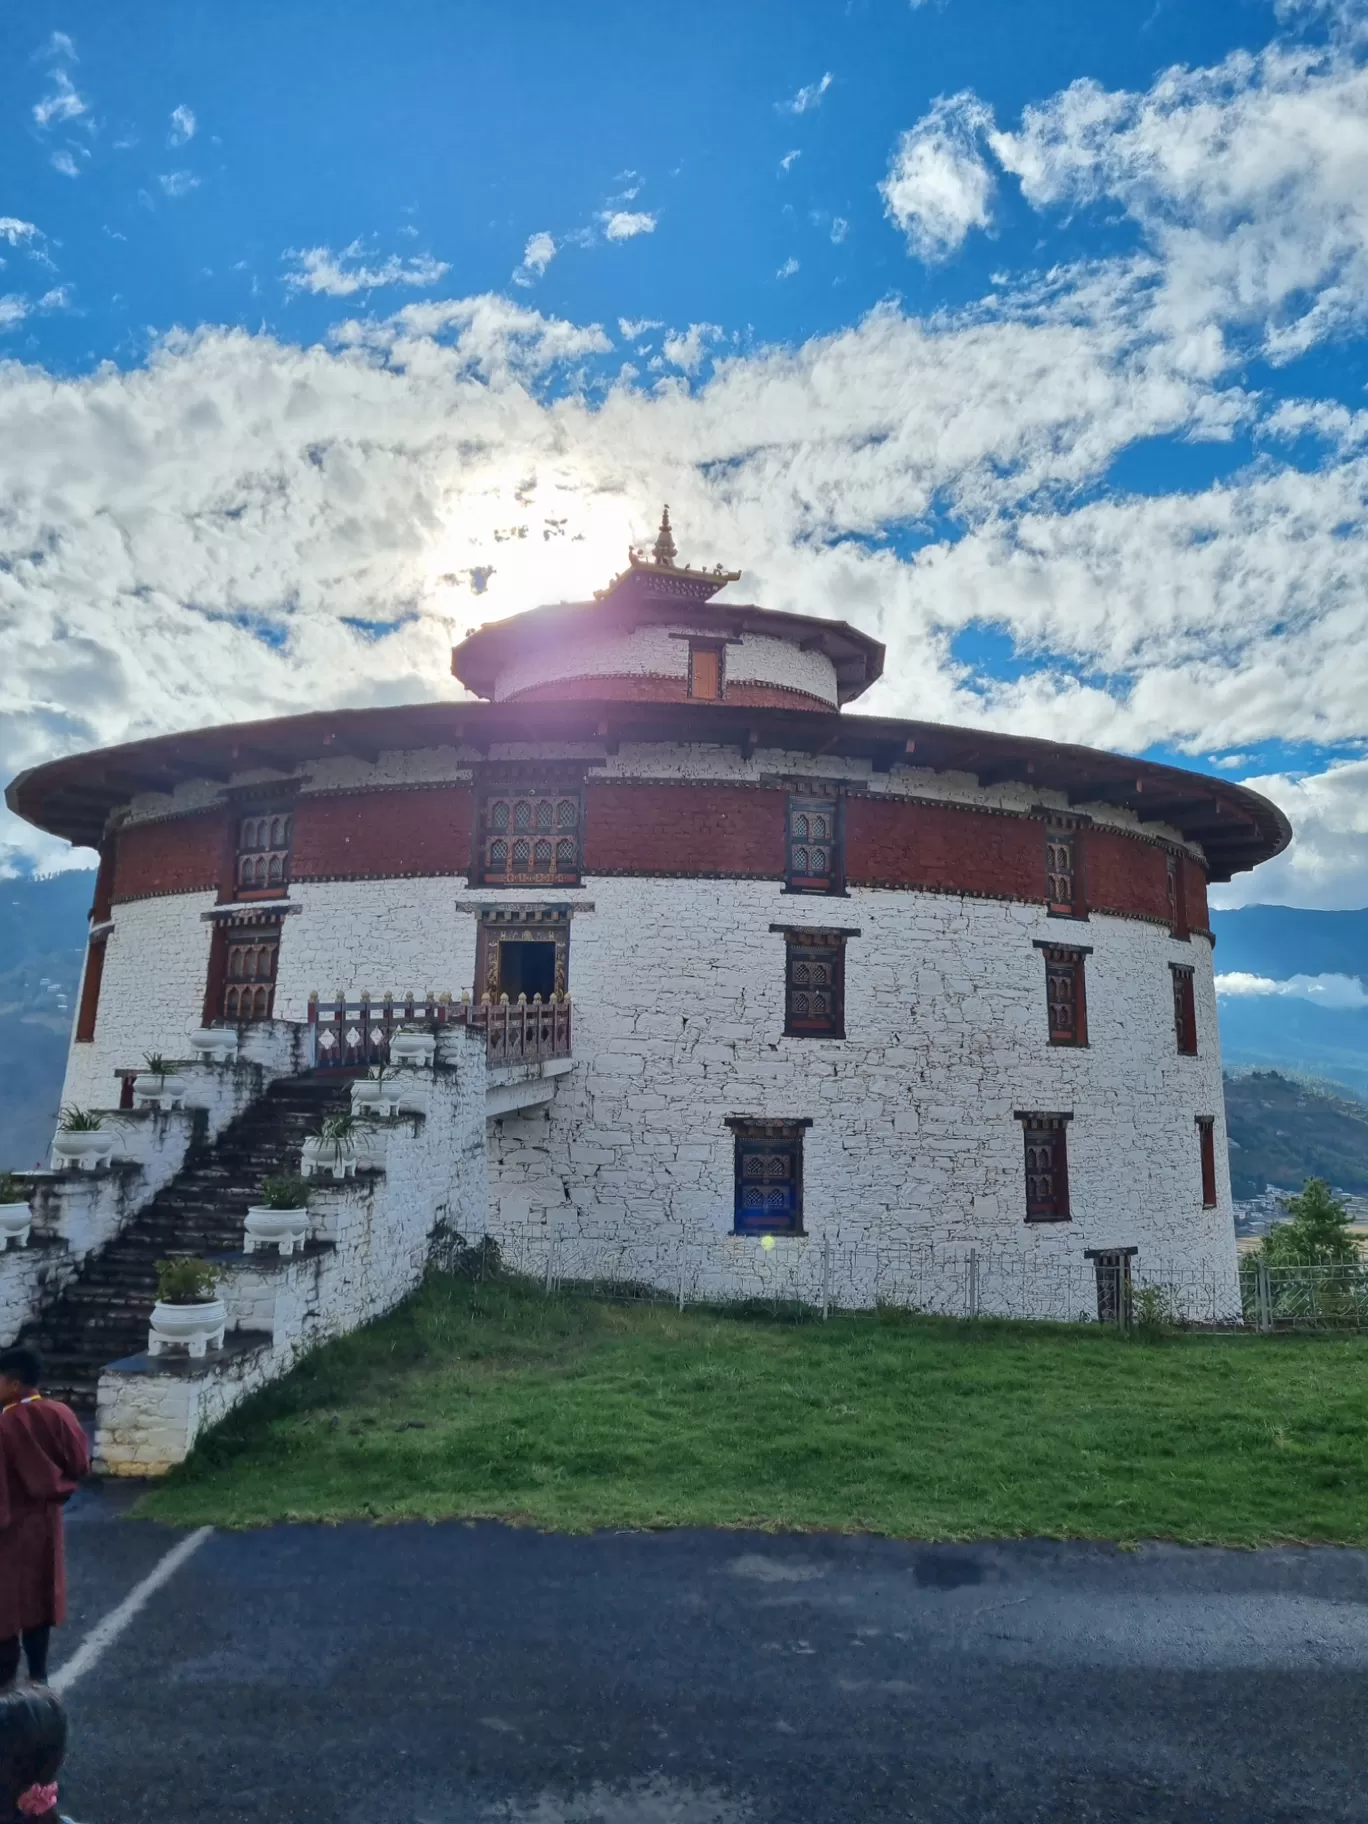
(33, 1737)
(23, 1364)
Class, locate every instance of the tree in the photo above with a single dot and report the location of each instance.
(1317, 1232)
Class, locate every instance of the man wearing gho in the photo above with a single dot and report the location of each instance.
(43, 1456)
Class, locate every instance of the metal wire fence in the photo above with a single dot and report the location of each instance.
(819, 1276)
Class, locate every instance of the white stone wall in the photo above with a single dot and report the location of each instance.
(663, 652)
(679, 1014)
(385, 936)
(381, 1227)
(151, 994)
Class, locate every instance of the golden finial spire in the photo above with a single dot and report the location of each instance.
(663, 550)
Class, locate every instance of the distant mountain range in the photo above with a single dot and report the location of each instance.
(42, 937)
(1282, 1131)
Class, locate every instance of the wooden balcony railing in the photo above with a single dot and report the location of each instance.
(521, 1031)
(355, 1034)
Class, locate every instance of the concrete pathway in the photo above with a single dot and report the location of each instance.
(437, 1674)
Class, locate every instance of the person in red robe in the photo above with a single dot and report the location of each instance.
(43, 1455)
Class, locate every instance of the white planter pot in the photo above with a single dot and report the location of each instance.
(330, 1156)
(283, 1229)
(82, 1152)
(192, 1327)
(215, 1045)
(152, 1091)
(16, 1219)
(414, 1049)
(370, 1097)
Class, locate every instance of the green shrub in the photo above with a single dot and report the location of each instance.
(284, 1193)
(186, 1281)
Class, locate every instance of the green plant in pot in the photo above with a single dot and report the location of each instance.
(84, 1138)
(339, 1144)
(188, 1313)
(280, 1218)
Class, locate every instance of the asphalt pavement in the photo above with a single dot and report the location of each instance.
(418, 1674)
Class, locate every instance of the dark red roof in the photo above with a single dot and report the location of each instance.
(73, 797)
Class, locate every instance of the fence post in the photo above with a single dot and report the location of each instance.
(973, 1283)
(826, 1277)
(1263, 1298)
(681, 1275)
(550, 1252)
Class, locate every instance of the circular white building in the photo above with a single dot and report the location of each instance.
(841, 980)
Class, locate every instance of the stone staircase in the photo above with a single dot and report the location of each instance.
(103, 1314)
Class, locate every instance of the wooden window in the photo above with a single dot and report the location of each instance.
(769, 1176)
(1113, 1269)
(815, 850)
(705, 669)
(262, 865)
(1206, 1140)
(1065, 994)
(90, 990)
(1047, 1166)
(243, 960)
(1062, 896)
(1184, 1009)
(814, 984)
(530, 836)
(1177, 901)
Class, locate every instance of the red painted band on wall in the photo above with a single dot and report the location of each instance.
(175, 855)
(379, 834)
(690, 829)
(912, 843)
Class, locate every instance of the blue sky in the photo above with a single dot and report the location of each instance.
(1030, 336)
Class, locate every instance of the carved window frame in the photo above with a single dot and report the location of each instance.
(1066, 994)
(1112, 1267)
(1177, 896)
(1206, 1150)
(802, 812)
(520, 924)
(1064, 891)
(717, 651)
(814, 982)
(1045, 1138)
(244, 965)
(767, 1158)
(532, 809)
(1184, 1009)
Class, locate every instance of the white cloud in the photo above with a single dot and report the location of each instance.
(183, 126)
(15, 232)
(938, 186)
(787, 162)
(1326, 863)
(624, 224)
(65, 163)
(688, 351)
(630, 328)
(63, 103)
(787, 270)
(840, 228)
(320, 270)
(13, 310)
(59, 45)
(178, 183)
(807, 98)
(537, 256)
(1249, 180)
(1338, 992)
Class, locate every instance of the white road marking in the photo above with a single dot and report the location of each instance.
(103, 1635)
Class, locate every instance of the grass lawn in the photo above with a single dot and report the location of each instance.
(489, 1399)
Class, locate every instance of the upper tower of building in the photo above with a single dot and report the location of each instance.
(656, 634)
